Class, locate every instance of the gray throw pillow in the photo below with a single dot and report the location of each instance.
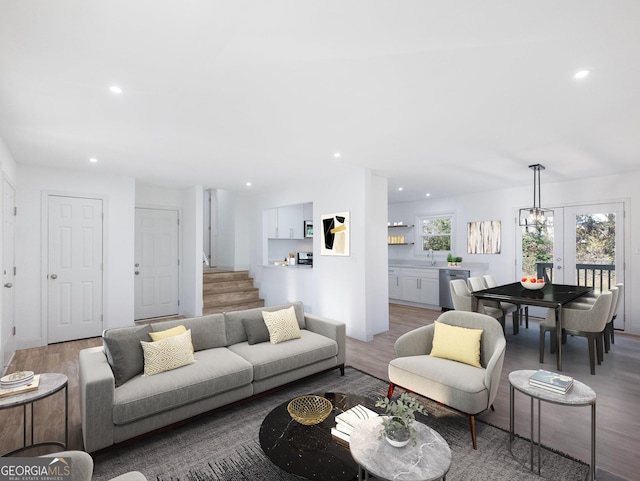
(124, 351)
(256, 330)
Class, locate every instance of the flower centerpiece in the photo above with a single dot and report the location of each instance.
(397, 424)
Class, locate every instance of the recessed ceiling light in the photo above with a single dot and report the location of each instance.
(579, 75)
(428, 194)
(401, 188)
(248, 184)
(337, 155)
(115, 89)
(93, 160)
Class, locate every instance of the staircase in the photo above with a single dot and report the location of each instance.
(224, 291)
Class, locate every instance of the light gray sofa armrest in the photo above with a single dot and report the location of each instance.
(97, 392)
(415, 343)
(329, 328)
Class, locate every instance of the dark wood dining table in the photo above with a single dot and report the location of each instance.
(552, 296)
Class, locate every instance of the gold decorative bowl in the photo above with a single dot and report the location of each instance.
(309, 410)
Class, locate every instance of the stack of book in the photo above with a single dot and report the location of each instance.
(551, 381)
(19, 382)
(346, 421)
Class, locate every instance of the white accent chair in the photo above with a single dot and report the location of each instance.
(588, 321)
(464, 388)
(82, 467)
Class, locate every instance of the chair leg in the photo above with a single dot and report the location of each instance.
(599, 341)
(472, 425)
(607, 338)
(542, 331)
(516, 322)
(592, 354)
(612, 331)
(390, 390)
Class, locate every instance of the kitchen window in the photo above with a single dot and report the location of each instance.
(435, 232)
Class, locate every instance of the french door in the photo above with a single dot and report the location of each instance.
(585, 246)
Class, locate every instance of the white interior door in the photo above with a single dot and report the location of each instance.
(7, 333)
(74, 271)
(156, 263)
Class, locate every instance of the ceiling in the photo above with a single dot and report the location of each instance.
(440, 97)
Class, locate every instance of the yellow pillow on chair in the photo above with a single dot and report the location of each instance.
(456, 343)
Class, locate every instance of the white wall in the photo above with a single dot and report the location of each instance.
(503, 205)
(119, 195)
(192, 251)
(351, 289)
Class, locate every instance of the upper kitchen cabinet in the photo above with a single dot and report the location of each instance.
(288, 222)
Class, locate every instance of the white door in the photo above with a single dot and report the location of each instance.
(74, 271)
(7, 334)
(156, 263)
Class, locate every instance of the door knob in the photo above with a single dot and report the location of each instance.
(137, 273)
(137, 265)
(8, 285)
(53, 276)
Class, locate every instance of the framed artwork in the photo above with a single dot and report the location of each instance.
(483, 237)
(308, 228)
(336, 233)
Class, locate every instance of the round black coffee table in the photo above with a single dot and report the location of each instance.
(311, 451)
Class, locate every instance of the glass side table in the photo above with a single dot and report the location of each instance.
(50, 384)
(579, 395)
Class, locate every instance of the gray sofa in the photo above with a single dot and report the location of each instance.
(227, 368)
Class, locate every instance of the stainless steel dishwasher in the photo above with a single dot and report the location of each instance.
(447, 275)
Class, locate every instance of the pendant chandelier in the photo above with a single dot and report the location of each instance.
(536, 216)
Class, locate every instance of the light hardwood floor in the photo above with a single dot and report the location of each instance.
(617, 384)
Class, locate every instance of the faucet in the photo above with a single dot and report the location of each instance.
(433, 261)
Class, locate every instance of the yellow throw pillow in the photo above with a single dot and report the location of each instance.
(282, 325)
(167, 354)
(174, 331)
(456, 343)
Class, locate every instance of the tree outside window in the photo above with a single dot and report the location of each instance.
(436, 232)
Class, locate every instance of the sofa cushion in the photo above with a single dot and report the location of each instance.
(167, 354)
(233, 320)
(215, 371)
(272, 359)
(282, 325)
(256, 330)
(124, 352)
(206, 331)
(456, 343)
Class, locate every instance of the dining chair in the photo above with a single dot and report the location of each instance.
(523, 312)
(478, 284)
(585, 322)
(463, 301)
(615, 302)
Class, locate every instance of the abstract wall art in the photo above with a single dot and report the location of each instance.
(483, 237)
(336, 233)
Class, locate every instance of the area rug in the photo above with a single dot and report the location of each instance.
(223, 445)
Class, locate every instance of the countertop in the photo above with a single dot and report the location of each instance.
(464, 266)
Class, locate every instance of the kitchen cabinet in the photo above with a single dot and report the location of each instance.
(415, 285)
(394, 283)
(286, 222)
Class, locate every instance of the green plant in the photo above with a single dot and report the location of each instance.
(450, 258)
(400, 413)
(458, 259)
